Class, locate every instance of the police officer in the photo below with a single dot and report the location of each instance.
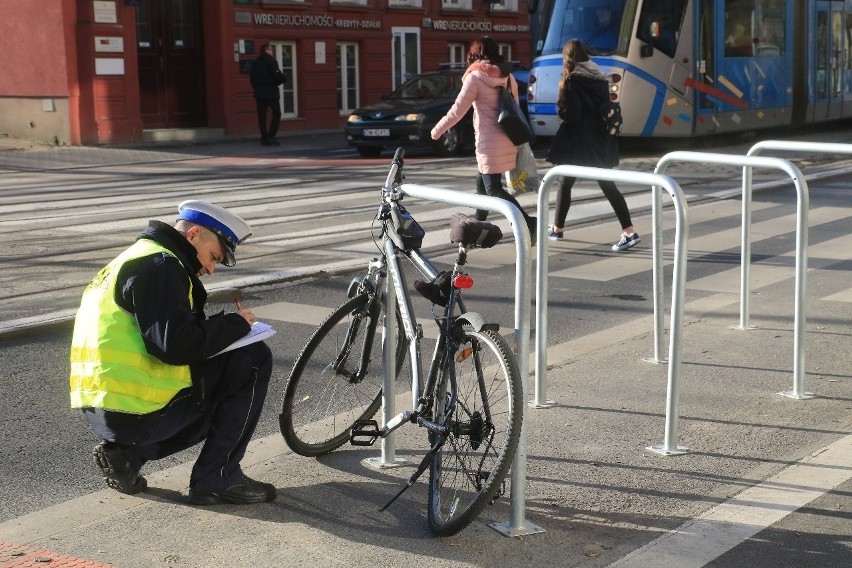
(144, 368)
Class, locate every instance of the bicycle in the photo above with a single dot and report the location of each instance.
(471, 402)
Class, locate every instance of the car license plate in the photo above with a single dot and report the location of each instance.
(376, 132)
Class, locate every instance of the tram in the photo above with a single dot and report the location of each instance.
(684, 68)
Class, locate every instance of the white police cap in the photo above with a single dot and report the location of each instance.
(231, 229)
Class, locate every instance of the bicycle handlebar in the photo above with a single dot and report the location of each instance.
(396, 167)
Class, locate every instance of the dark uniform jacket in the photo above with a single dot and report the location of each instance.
(581, 139)
(263, 72)
(155, 289)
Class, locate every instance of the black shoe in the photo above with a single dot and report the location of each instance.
(117, 471)
(532, 225)
(245, 492)
(265, 142)
(274, 141)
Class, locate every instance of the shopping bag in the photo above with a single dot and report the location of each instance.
(524, 178)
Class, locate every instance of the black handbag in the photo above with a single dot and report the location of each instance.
(511, 119)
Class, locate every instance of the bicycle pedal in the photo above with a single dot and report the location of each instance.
(368, 429)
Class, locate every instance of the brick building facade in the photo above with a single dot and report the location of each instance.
(106, 72)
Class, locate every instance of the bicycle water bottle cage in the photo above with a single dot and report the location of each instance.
(437, 291)
(473, 233)
(405, 232)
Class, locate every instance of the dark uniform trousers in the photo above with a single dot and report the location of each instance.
(236, 382)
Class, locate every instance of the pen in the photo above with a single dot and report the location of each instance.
(237, 303)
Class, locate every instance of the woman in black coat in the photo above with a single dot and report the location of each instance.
(582, 138)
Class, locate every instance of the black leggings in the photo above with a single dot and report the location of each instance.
(492, 184)
(616, 200)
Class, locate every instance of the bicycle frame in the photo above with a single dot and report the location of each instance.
(388, 266)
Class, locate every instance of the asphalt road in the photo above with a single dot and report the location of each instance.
(591, 486)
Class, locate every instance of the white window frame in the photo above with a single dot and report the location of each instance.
(405, 3)
(456, 53)
(342, 77)
(504, 6)
(395, 65)
(290, 86)
(456, 4)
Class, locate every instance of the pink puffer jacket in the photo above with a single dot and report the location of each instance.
(495, 153)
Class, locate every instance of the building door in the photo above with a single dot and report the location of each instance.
(406, 55)
(171, 64)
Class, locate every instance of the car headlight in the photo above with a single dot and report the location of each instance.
(353, 118)
(412, 117)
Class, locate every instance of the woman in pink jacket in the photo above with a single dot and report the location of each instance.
(495, 153)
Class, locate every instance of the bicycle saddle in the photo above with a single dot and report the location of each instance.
(473, 233)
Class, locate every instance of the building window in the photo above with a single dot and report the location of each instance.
(285, 53)
(349, 2)
(505, 50)
(457, 55)
(456, 4)
(347, 77)
(405, 3)
(505, 6)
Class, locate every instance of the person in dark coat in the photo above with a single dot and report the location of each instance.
(265, 78)
(582, 139)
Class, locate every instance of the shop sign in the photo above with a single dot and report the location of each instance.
(315, 21)
(482, 26)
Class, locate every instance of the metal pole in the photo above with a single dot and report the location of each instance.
(540, 398)
(389, 346)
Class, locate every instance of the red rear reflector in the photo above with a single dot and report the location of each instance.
(463, 281)
(464, 354)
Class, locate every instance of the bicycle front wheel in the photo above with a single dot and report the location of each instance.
(331, 386)
(483, 430)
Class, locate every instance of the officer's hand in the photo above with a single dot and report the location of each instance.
(247, 314)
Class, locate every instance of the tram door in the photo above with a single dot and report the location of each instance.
(829, 63)
(171, 64)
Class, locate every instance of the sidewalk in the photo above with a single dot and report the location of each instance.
(591, 485)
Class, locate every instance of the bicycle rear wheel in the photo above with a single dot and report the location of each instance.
(484, 429)
(324, 395)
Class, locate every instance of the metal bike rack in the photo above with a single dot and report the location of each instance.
(748, 162)
(670, 446)
(517, 524)
(798, 391)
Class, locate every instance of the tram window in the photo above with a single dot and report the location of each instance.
(847, 41)
(771, 32)
(659, 24)
(739, 28)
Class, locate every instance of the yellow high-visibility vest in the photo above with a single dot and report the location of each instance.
(110, 367)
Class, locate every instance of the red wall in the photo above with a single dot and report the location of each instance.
(33, 47)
